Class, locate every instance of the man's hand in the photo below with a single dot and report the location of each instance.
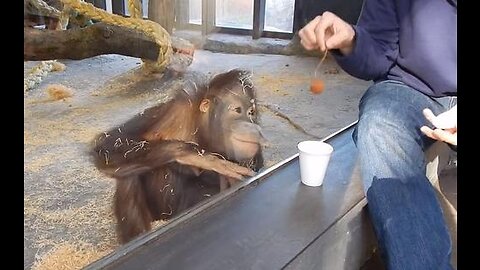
(328, 32)
(445, 123)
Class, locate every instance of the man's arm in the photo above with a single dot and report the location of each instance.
(376, 41)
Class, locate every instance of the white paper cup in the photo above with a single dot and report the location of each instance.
(314, 157)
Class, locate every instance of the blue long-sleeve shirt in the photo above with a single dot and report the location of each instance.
(413, 41)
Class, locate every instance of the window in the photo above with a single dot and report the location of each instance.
(195, 12)
(279, 15)
(234, 13)
(273, 18)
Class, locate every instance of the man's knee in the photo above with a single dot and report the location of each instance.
(374, 128)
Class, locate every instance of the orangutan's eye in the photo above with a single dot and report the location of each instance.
(235, 109)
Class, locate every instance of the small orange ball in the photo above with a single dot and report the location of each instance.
(316, 86)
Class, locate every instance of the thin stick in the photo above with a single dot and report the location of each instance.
(276, 111)
(321, 62)
(324, 56)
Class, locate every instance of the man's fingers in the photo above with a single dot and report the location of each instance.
(445, 136)
(440, 135)
(443, 121)
(431, 118)
(307, 34)
(427, 131)
(326, 32)
(325, 22)
(429, 115)
(307, 45)
(336, 41)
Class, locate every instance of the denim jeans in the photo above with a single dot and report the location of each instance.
(404, 210)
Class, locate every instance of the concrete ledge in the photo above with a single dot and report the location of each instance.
(243, 44)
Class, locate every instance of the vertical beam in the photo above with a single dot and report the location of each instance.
(182, 12)
(109, 6)
(297, 15)
(258, 18)
(162, 12)
(204, 17)
(145, 5)
(118, 7)
(208, 16)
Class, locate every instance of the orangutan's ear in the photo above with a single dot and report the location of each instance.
(204, 105)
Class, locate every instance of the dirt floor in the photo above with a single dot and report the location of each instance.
(68, 221)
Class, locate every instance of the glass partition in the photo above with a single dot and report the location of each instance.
(122, 124)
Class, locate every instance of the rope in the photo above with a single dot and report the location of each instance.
(135, 9)
(44, 8)
(36, 74)
(151, 29)
(64, 18)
